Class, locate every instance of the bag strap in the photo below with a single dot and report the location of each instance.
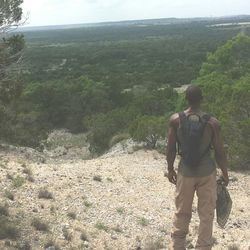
(206, 118)
(182, 117)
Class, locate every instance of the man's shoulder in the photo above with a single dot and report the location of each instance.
(214, 122)
(174, 120)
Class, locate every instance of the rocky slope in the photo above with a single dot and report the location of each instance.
(119, 201)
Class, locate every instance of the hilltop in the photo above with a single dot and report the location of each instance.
(118, 201)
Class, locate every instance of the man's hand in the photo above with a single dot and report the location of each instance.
(172, 176)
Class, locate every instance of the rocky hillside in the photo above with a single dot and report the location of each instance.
(119, 201)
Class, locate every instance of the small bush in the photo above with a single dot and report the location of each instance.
(84, 236)
(143, 221)
(72, 215)
(51, 244)
(120, 210)
(67, 235)
(9, 176)
(9, 195)
(154, 245)
(45, 194)
(27, 171)
(109, 179)
(118, 138)
(87, 204)
(18, 181)
(97, 178)
(30, 178)
(4, 211)
(101, 226)
(117, 229)
(7, 229)
(39, 225)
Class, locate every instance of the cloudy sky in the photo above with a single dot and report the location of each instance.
(51, 12)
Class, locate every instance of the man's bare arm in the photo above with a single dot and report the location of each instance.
(171, 149)
(220, 154)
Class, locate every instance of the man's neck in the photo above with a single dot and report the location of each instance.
(193, 109)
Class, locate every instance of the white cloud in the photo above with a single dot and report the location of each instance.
(49, 12)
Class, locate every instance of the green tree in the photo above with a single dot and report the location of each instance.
(225, 79)
(11, 47)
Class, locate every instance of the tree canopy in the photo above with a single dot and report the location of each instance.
(225, 79)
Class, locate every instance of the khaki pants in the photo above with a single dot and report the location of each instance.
(205, 188)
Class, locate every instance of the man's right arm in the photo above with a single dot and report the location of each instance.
(220, 154)
(171, 148)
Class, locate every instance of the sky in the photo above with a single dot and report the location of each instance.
(55, 12)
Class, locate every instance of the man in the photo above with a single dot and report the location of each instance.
(190, 179)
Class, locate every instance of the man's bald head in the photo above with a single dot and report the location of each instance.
(193, 95)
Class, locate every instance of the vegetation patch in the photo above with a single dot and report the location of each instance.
(45, 194)
(8, 194)
(84, 236)
(52, 244)
(151, 244)
(97, 178)
(101, 226)
(87, 204)
(71, 215)
(7, 229)
(39, 225)
(143, 221)
(120, 210)
(18, 181)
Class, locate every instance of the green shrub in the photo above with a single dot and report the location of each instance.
(18, 181)
(101, 226)
(143, 221)
(117, 138)
(148, 129)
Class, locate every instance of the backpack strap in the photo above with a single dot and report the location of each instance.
(182, 117)
(206, 118)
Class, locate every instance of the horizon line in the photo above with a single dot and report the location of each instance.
(131, 20)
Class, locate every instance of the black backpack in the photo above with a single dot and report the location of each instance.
(192, 127)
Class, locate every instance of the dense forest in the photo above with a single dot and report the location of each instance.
(118, 81)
